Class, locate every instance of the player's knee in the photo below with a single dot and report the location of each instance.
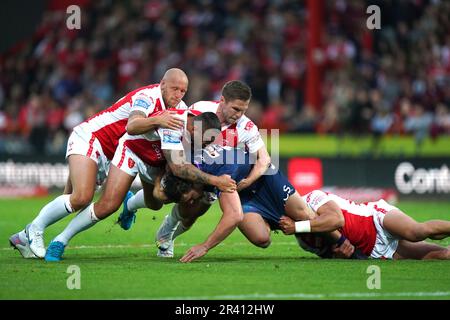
(416, 233)
(262, 241)
(80, 200)
(264, 244)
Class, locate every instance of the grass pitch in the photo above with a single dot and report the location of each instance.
(117, 264)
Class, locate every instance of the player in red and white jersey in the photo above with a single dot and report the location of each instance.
(237, 131)
(91, 147)
(147, 158)
(378, 229)
(109, 125)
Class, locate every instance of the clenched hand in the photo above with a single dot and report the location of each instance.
(287, 225)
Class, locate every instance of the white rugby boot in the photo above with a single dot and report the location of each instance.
(35, 239)
(19, 241)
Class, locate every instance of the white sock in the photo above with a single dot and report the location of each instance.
(169, 224)
(179, 230)
(84, 220)
(174, 216)
(53, 211)
(137, 201)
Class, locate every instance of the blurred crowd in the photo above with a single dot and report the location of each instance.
(395, 80)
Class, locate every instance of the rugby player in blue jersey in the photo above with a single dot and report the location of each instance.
(255, 210)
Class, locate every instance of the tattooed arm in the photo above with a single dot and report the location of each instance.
(185, 170)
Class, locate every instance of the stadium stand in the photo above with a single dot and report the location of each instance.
(389, 81)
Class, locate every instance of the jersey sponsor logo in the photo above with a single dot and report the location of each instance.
(97, 154)
(249, 125)
(170, 137)
(143, 102)
(131, 163)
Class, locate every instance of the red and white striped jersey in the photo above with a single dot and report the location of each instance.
(109, 125)
(148, 147)
(359, 227)
(244, 133)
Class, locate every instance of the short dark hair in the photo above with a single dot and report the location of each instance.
(209, 121)
(175, 187)
(236, 90)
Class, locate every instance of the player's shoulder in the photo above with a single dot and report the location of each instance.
(152, 90)
(182, 106)
(205, 106)
(245, 124)
(315, 197)
(179, 111)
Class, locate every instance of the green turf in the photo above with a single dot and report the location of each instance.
(118, 264)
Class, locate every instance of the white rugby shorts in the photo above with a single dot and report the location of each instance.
(385, 244)
(86, 144)
(127, 161)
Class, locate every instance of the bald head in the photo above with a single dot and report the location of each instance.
(175, 74)
(174, 85)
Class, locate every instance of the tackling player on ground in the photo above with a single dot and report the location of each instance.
(255, 210)
(237, 130)
(379, 229)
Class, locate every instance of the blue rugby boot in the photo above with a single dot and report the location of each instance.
(55, 251)
(127, 217)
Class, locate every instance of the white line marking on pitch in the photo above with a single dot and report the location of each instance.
(308, 296)
(181, 244)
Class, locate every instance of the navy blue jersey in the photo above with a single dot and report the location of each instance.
(217, 161)
(267, 196)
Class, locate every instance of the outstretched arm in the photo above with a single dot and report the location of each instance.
(232, 215)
